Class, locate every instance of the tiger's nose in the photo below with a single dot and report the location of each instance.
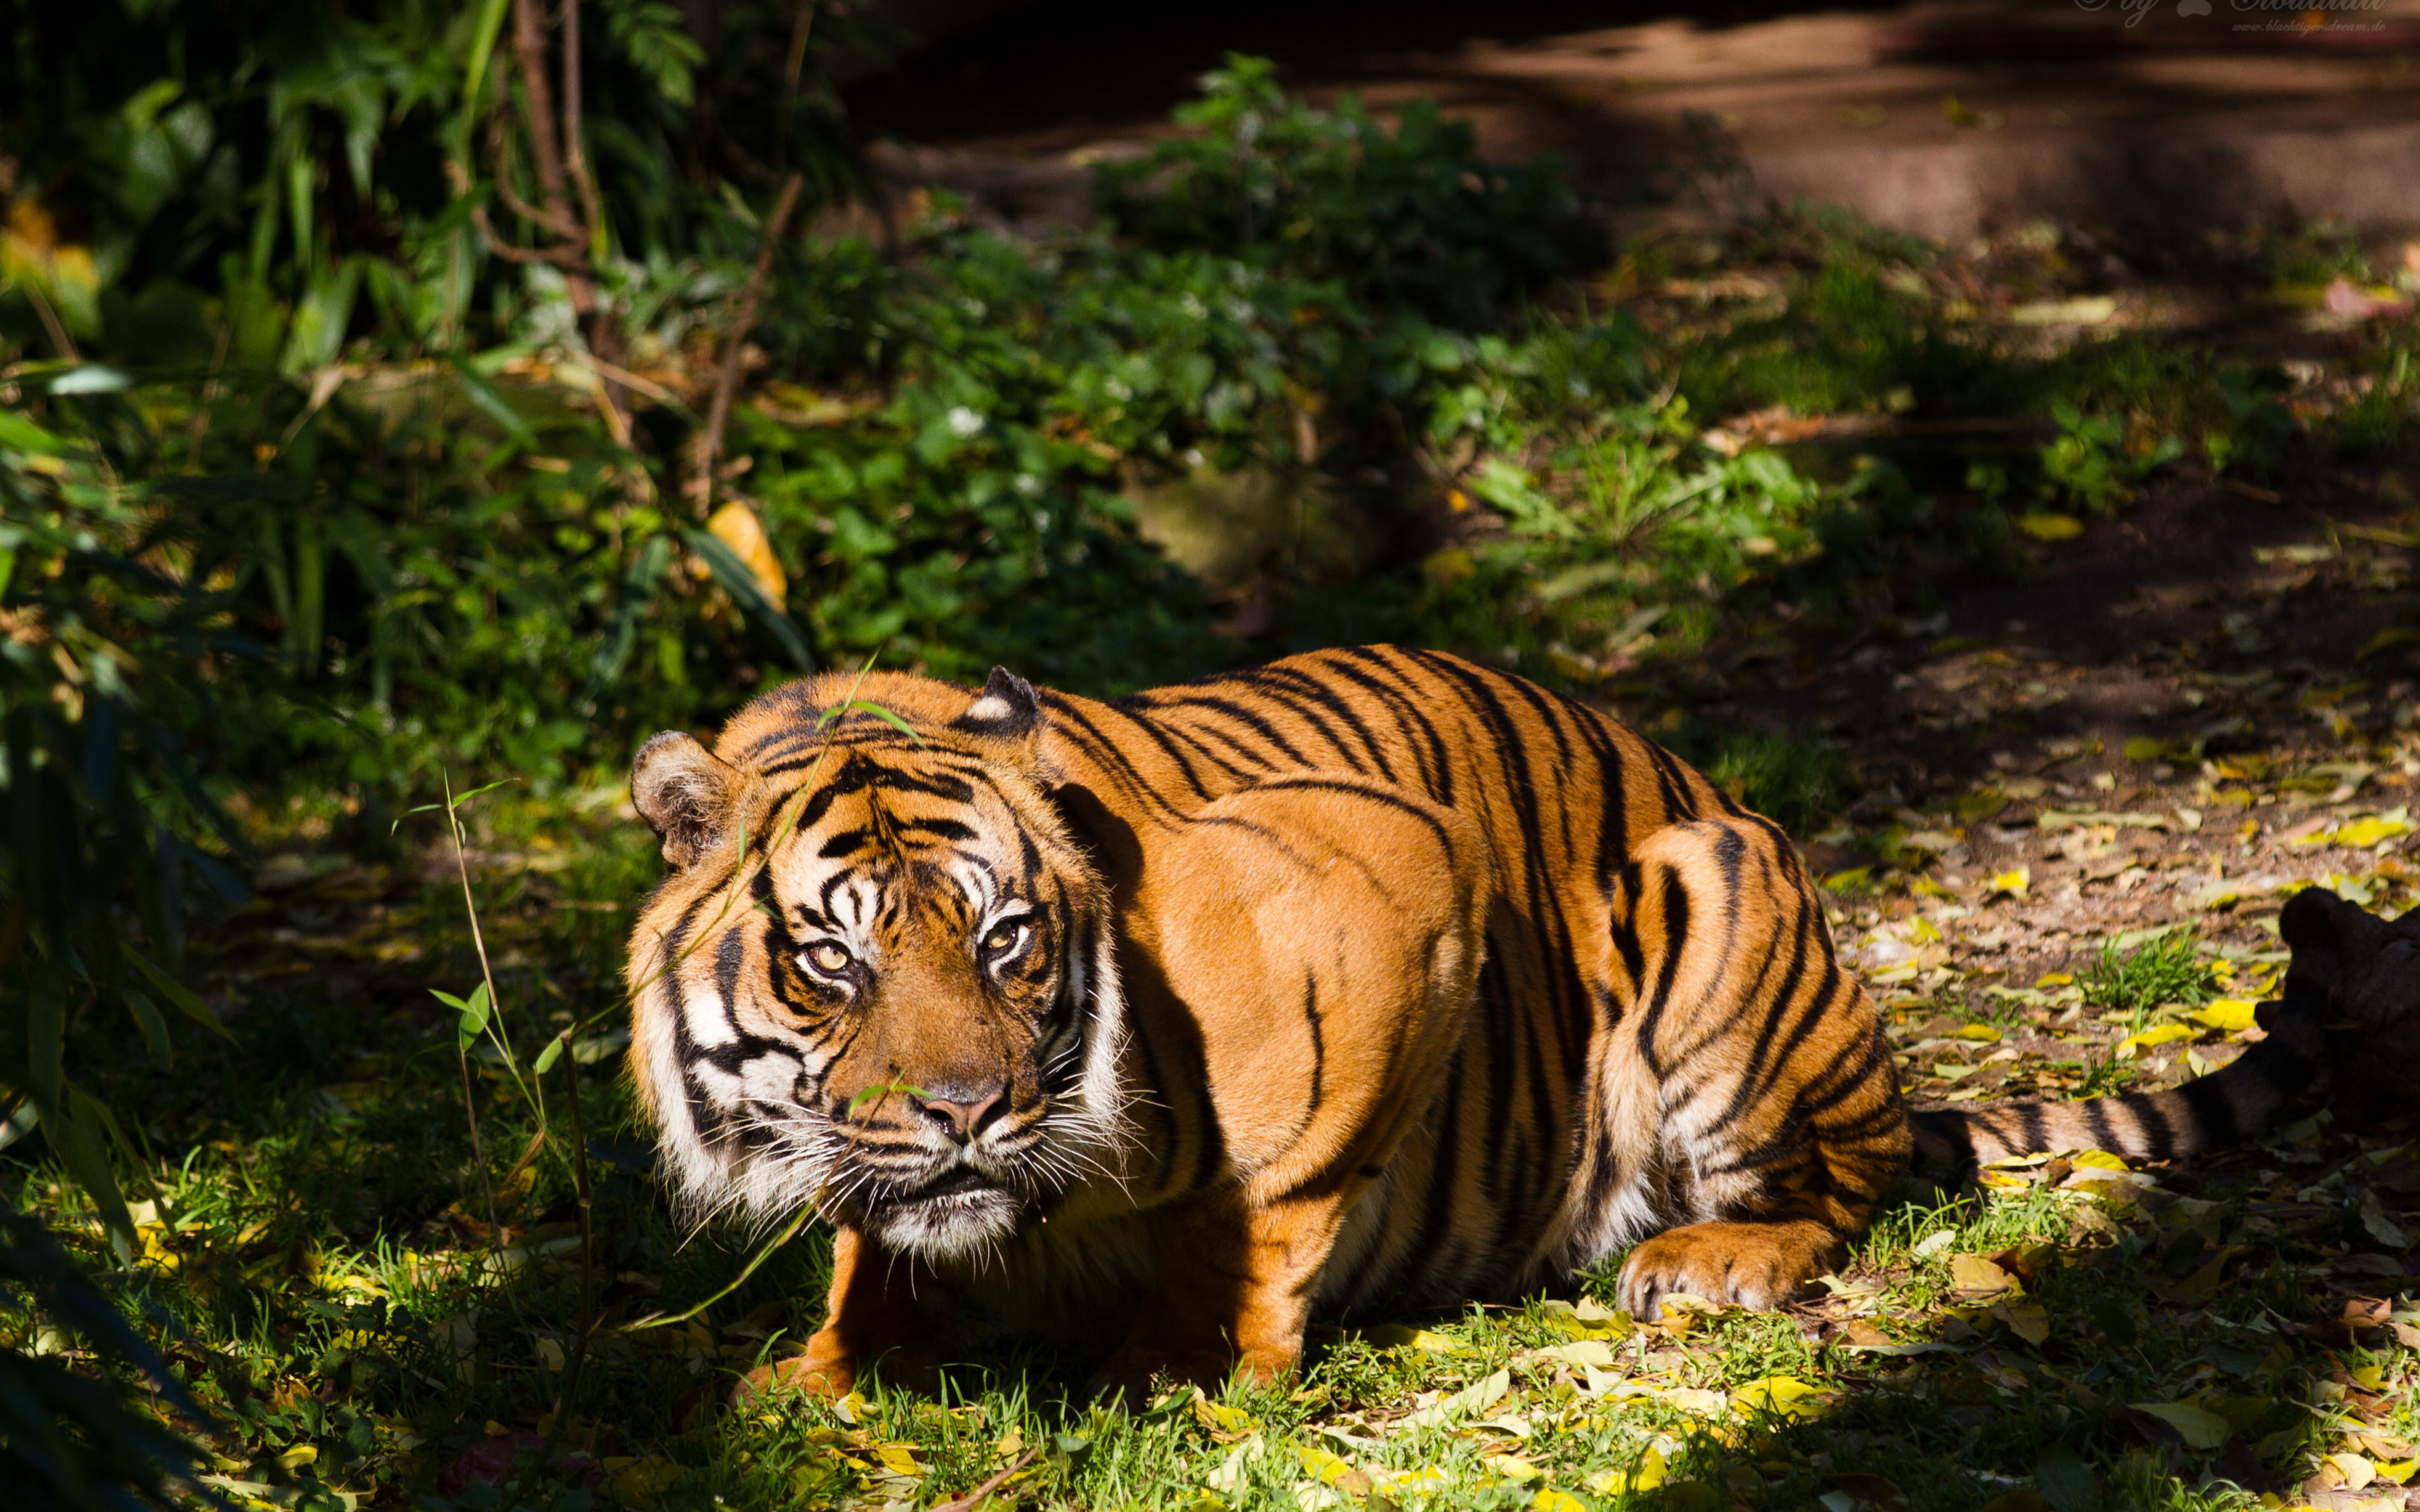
(962, 1120)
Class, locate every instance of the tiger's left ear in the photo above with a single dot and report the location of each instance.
(1008, 711)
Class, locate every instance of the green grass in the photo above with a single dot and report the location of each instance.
(1795, 781)
(2135, 979)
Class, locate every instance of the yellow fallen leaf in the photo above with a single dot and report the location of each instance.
(1513, 1468)
(2048, 528)
(2015, 881)
(2102, 1160)
(1975, 1276)
(642, 1479)
(1326, 1467)
(898, 1459)
(300, 1455)
(1550, 1500)
(1220, 1418)
(2397, 1470)
(1404, 1336)
(2027, 1320)
(2363, 833)
(2157, 1035)
(1471, 1401)
(2201, 1428)
(2049, 979)
(1784, 1397)
(1648, 1474)
(1595, 1352)
(2356, 1471)
(1976, 1033)
(1687, 1304)
(1693, 1399)
(2228, 1015)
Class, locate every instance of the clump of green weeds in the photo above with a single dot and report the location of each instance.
(2136, 978)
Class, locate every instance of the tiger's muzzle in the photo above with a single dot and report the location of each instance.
(949, 1181)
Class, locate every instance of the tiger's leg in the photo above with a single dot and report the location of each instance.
(1778, 1122)
(881, 1315)
(1235, 1290)
(1319, 940)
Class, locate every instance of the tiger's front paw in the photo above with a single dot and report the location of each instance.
(1735, 1264)
(831, 1369)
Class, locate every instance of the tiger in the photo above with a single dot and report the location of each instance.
(1372, 977)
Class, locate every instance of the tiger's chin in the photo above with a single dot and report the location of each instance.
(958, 1219)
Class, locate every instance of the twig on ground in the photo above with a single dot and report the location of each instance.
(981, 1493)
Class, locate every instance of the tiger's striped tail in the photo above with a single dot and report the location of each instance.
(2230, 1105)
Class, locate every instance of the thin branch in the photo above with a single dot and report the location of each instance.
(795, 63)
(563, 258)
(209, 396)
(51, 322)
(575, 154)
(500, 164)
(629, 379)
(546, 158)
(726, 383)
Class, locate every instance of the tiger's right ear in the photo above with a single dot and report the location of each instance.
(1007, 708)
(686, 794)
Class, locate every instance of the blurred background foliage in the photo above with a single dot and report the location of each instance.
(421, 386)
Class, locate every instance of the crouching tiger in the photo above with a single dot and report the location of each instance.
(1372, 974)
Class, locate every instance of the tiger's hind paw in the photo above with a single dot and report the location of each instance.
(1756, 1265)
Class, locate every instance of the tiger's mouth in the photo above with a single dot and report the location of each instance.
(958, 1213)
(958, 1181)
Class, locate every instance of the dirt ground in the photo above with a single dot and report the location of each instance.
(1944, 118)
(2184, 714)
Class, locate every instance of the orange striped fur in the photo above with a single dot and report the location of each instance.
(1372, 977)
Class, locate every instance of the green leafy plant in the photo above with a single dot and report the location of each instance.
(2146, 974)
(2092, 462)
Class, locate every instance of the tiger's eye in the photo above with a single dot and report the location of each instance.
(828, 957)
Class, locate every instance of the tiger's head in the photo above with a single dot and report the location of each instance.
(878, 975)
